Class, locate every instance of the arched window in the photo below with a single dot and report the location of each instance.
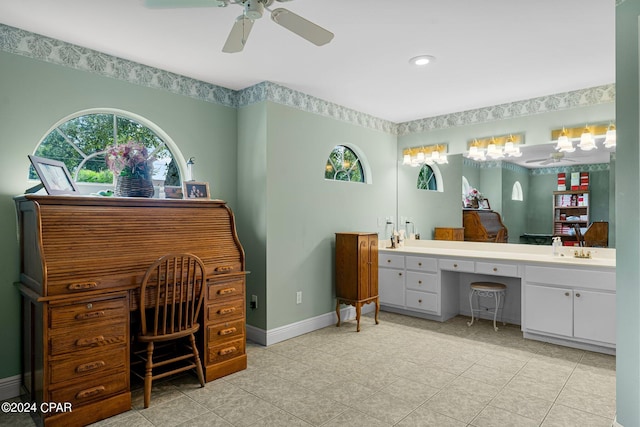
(80, 141)
(344, 165)
(516, 191)
(427, 179)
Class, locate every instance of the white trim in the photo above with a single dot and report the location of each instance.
(283, 333)
(10, 387)
(615, 422)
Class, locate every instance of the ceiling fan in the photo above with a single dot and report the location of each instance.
(553, 158)
(253, 9)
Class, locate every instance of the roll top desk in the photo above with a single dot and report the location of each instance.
(82, 261)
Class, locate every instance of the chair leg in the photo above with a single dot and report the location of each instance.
(197, 360)
(148, 375)
(471, 306)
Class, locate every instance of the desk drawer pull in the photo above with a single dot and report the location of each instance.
(226, 291)
(89, 342)
(82, 286)
(227, 310)
(90, 366)
(227, 331)
(224, 268)
(90, 392)
(91, 315)
(227, 350)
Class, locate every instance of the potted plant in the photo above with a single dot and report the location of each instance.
(132, 165)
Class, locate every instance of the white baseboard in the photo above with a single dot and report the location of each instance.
(302, 327)
(615, 422)
(10, 387)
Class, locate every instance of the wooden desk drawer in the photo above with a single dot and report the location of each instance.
(226, 351)
(230, 310)
(508, 270)
(68, 340)
(93, 388)
(76, 366)
(218, 292)
(225, 331)
(88, 313)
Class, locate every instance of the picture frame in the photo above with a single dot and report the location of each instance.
(484, 204)
(54, 175)
(196, 190)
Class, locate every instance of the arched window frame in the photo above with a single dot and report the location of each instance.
(361, 162)
(436, 175)
(172, 147)
(516, 192)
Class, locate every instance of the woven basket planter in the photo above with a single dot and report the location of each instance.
(133, 187)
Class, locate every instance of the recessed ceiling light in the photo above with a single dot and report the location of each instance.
(422, 60)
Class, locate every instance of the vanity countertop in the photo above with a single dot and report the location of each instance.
(601, 257)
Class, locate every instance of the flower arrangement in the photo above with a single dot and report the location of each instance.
(130, 159)
(473, 195)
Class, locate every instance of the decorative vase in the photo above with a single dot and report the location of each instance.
(127, 186)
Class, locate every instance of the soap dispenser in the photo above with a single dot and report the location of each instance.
(556, 243)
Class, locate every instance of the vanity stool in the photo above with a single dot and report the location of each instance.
(487, 289)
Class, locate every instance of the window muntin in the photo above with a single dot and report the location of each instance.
(344, 165)
(81, 141)
(427, 179)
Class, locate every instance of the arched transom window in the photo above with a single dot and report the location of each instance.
(80, 142)
(344, 165)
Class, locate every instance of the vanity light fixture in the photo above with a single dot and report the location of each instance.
(495, 147)
(588, 137)
(587, 143)
(426, 155)
(610, 137)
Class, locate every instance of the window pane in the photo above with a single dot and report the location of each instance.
(343, 165)
(427, 179)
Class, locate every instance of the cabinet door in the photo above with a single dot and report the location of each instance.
(391, 286)
(548, 309)
(594, 316)
(373, 265)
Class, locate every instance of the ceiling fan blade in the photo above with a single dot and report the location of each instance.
(537, 160)
(238, 35)
(302, 27)
(548, 161)
(174, 4)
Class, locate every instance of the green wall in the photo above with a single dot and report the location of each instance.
(34, 95)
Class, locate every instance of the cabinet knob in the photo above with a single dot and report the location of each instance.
(495, 268)
(566, 294)
(419, 264)
(420, 301)
(577, 295)
(420, 282)
(399, 274)
(388, 260)
(455, 265)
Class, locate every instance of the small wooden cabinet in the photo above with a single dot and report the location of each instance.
(448, 233)
(357, 272)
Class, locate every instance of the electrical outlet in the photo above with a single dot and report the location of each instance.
(299, 297)
(254, 302)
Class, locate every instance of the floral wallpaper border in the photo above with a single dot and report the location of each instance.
(22, 42)
(537, 171)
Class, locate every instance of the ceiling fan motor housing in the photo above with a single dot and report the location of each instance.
(253, 9)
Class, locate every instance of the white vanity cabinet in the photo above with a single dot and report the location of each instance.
(422, 284)
(391, 274)
(570, 303)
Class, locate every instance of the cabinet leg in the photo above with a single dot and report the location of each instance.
(377, 309)
(338, 311)
(358, 310)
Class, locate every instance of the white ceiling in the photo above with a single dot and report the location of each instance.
(488, 51)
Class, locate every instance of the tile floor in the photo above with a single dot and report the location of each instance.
(402, 372)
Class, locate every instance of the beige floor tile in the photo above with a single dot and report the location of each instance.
(354, 418)
(531, 386)
(496, 417)
(280, 419)
(243, 409)
(410, 391)
(597, 404)
(385, 407)
(425, 417)
(563, 416)
(455, 406)
(347, 392)
(595, 382)
(313, 408)
(522, 404)
(208, 419)
(173, 412)
(493, 376)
